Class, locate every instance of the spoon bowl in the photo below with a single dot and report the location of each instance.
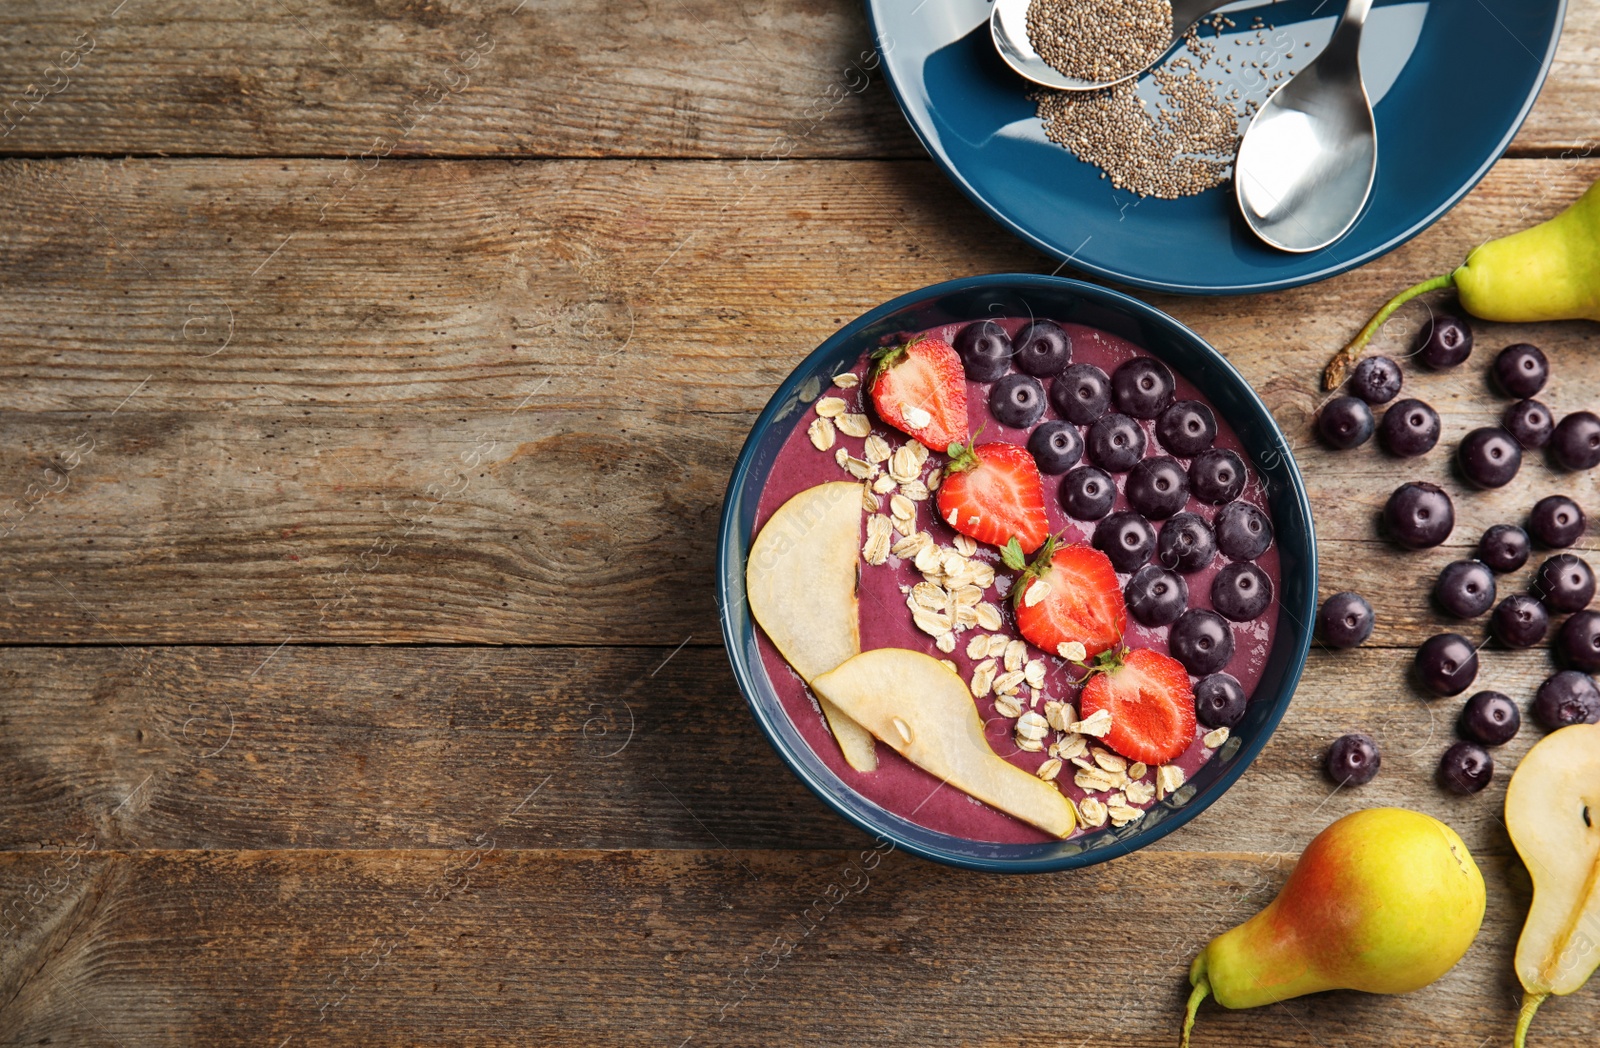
(1008, 25)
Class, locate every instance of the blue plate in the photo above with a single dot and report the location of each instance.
(1016, 294)
(1452, 82)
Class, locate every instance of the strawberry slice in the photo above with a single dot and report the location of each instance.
(1080, 599)
(993, 493)
(919, 387)
(1150, 702)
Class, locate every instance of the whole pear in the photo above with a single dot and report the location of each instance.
(1384, 900)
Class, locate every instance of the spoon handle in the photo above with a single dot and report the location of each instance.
(1347, 34)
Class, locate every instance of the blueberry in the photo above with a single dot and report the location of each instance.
(1156, 596)
(1521, 370)
(1043, 349)
(1466, 767)
(1241, 591)
(1016, 401)
(1578, 643)
(1409, 428)
(1116, 443)
(1529, 423)
(1489, 457)
(1143, 387)
(1564, 582)
(1443, 342)
(985, 350)
(1446, 664)
(1419, 515)
(1186, 428)
(1490, 719)
(1557, 521)
(1186, 543)
(1504, 547)
(1345, 422)
(1216, 476)
(1376, 380)
(1243, 531)
(1081, 394)
(1157, 487)
(1519, 621)
(1126, 538)
(1576, 441)
(1219, 701)
(1056, 446)
(1346, 620)
(1465, 588)
(1201, 640)
(1087, 493)
(1568, 697)
(1353, 759)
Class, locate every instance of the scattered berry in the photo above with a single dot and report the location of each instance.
(985, 350)
(1219, 700)
(1519, 621)
(1201, 640)
(1127, 538)
(1151, 705)
(1043, 348)
(993, 493)
(920, 388)
(1466, 767)
(1568, 697)
(1143, 387)
(1216, 476)
(1576, 441)
(1529, 423)
(1443, 342)
(1056, 446)
(1465, 588)
(1157, 487)
(1489, 457)
(1578, 643)
(1353, 759)
(1490, 719)
(1087, 493)
(1081, 394)
(1419, 515)
(1346, 620)
(1083, 601)
(1409, 428)
(1016, 401)
(1116, 443)
(1565, 583)
(1377, 380)
(1556, 521)
(1345, 422)
(1446, 664)
(1521, 370)
(1156, 596)
(1186, 543)
(1186, 428)
(1504, 547)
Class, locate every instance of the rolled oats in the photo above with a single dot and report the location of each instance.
(997, 644)
(1121, 814)
(1049, 770)
(988, 616)
(928, 558)
(1213, 739)
(860, 469)
(848, 380)
(1092, 812)
(841, 456)
(831, 407)
(1137, 770)
(916, 418)
(1033, 673)
(945, 642)
(1029, 745)
(821, 433)
(983, 678)
(1140, 792)
(1031, 725)
(1008, 682)
(869, 501)
(965, 545)
(903, 465)
(954, 518)
(934, 478)
(1054, 717)
(915, 490)
(929, 596)
(1109, 761)
(854, 425)
(1006, 706)
(950, 665)
(978, 646)
(933, 623)
(911, 545)
(1072, 651)
(966, 616)
(1073, 747)
(1037, 590)
(883, 485)
(876, 449)
(1015, 650)
(876, 549)
(1093, 780)
(1096, 724)
(982, 574)
(1168, 778)
(906, 526)
(902, 507)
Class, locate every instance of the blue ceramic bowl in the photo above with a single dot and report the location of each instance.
(1060, 299)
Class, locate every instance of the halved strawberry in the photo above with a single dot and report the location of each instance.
(918, 387)
(1080, 600)
(1150, 702)
(993, 493)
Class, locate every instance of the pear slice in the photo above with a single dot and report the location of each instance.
(1553, 815)
(801, 582)
(915, 704)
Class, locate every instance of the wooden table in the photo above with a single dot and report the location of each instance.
(372, 372)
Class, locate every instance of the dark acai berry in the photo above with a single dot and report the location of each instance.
(1578, 643)
(1465, 588)
(1143, 387)
(1489, 719)
(1489, 457)
(1186, 428)
(1376, 380)
(1529, 423)
(1565, 583)
(1241, 591)
(1243, 531)
(1043, 349)
(1081, 394)
(1568, 697)
(1056, 446)
(1419, 515)
(1016, 401)
(1087, 493)
(1126, 538)
(1446, 664)
(1157, 487)
(1219, 701)
(1345, 422)
(1576, 441)
(1156, 596)
(1519, 621)
(985, 350)
(1556, 521)
(1116, 443)
(1520, 370)
(1504, 547)
(1443, 342)
(1353, 759)
(1216, 476)
(1186, 543)
(1201, 640)
(1409, 428)
(1345, 620)
(1465, 767)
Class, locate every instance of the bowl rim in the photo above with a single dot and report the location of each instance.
(730, 576)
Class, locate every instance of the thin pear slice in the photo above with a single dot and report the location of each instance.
(1553, 815)
(915, 704)
(801, 581)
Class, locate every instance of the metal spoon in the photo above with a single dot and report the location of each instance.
(1008, 24)
(1306, 163)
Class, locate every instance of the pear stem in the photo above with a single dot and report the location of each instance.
(1530, 1004)
(1202, 990)
(1342, 360)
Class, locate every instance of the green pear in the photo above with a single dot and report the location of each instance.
(1384, 900)
(1553, 816)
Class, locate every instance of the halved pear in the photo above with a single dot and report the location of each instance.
(1553, 815)
(801, 581)
(915, 704)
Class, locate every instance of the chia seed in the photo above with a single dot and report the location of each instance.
(1099, 40)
